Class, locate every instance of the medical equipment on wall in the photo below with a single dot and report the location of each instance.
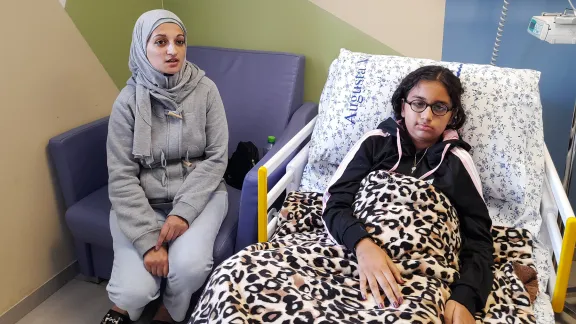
(554, 28)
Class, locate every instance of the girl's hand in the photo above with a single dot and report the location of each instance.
(377, 269)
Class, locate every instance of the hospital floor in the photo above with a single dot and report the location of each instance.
(81, 302)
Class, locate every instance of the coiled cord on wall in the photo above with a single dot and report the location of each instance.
(499, 32)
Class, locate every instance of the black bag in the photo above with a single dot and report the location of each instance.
(242, 161)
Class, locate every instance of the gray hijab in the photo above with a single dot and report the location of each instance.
(169, 90)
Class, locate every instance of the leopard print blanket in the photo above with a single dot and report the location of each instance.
(302, 276)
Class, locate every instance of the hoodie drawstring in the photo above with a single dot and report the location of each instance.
(436, 168)
(164, 163)
(399, 151)
(187, 160)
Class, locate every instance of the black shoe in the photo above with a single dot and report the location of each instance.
(160, 322)
(113, 317)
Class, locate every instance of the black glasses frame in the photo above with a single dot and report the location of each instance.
(437, 108)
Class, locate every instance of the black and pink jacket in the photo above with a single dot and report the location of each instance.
(449, 168)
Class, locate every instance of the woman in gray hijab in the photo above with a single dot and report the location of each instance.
(167, 152)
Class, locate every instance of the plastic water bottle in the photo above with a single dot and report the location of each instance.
(269, 145)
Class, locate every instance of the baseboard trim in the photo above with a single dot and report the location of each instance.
(28, 303)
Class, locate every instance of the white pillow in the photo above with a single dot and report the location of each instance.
(344, 115)
(502, 105)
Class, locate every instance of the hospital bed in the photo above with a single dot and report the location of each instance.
(556, 236)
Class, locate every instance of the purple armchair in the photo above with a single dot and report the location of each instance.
(262, 94)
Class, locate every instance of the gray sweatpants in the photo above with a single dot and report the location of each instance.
(190, 261)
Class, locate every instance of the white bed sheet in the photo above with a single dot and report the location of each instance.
(543, 306)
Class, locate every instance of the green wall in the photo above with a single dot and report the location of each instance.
(296, 26)
(107, 27)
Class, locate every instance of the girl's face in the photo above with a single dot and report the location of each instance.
(166, 48)
(425, 127)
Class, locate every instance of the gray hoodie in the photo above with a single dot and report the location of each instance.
(188, 159)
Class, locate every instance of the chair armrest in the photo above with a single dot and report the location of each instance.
(79, 157)
(247, 218)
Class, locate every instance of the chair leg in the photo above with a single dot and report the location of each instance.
(84, 256)
(94, 280)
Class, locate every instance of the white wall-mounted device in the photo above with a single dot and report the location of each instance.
(554, 28)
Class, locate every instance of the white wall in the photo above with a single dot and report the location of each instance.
(50, 82)
(412, 27)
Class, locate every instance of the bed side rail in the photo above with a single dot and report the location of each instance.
(266, 198)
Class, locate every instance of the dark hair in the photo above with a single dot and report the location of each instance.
(432, 73)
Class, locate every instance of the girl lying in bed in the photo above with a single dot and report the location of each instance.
(405, 220)
(421, 143)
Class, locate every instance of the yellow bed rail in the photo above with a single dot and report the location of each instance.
(562, 244)
(563, 273)
(262, 204)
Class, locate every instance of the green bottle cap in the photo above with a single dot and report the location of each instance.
(272, 139)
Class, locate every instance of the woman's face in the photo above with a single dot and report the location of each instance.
(166, 48)
(425, 128)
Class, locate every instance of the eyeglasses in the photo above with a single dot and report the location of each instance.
(419, 106)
